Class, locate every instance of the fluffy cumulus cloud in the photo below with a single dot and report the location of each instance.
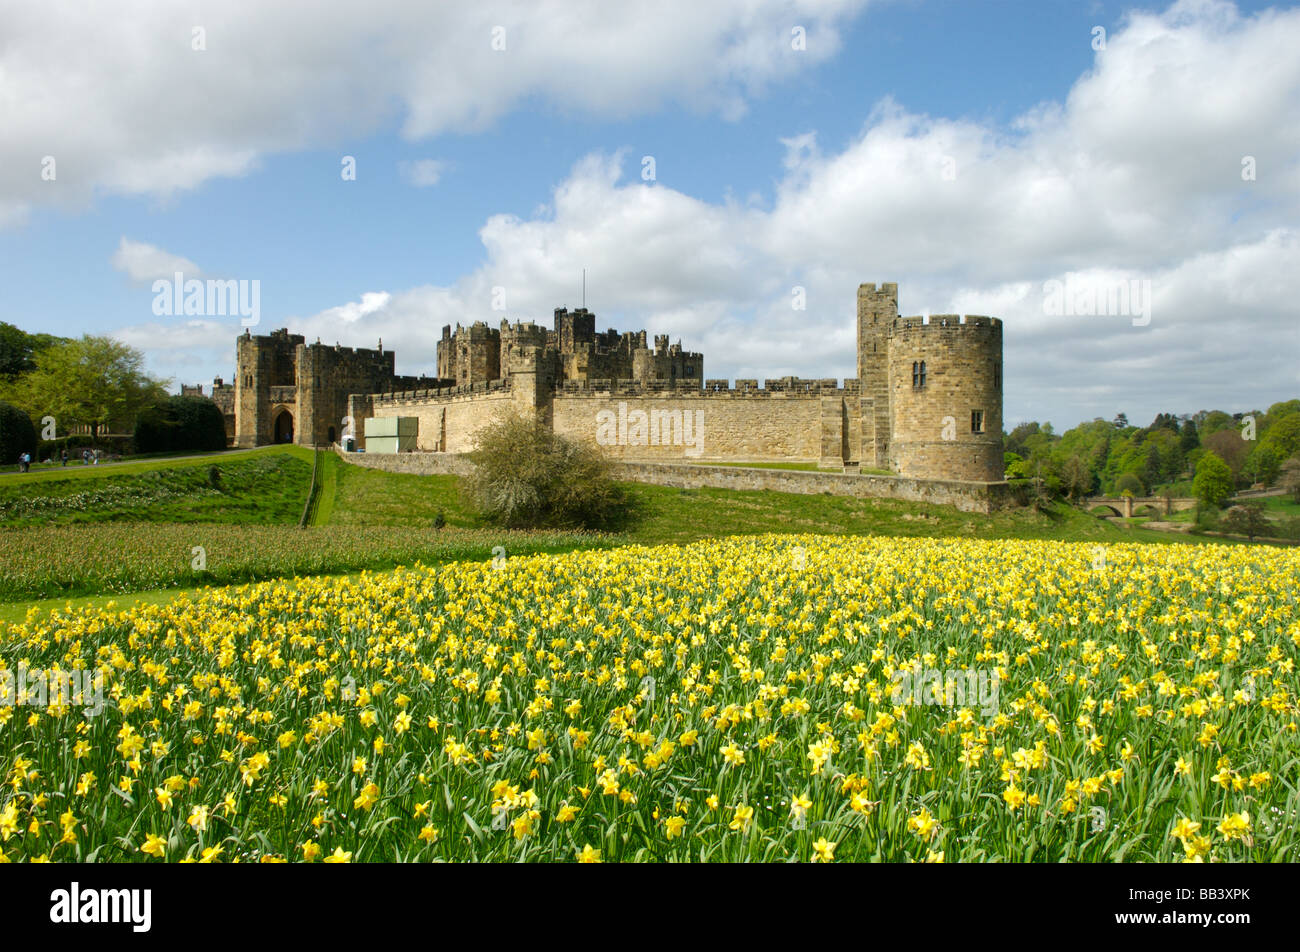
(143, 262)
(1140, 176)
(151, 96)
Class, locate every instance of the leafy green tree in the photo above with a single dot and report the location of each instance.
(18, 349)
(1212, 421)
(1246, 519)
(95, 381)
(1280, 410)
(1213, 482)
(1280, 441)
(1076, 478)
(1129, 482)
(1289, 478)
(17, 435)
(1231, 448)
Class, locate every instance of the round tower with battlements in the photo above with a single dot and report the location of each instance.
(945, 396)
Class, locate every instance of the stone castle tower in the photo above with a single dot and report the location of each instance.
(931, 390)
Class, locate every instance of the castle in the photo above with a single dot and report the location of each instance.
(927, 401)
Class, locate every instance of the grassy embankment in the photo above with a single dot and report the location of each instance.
(112, 530)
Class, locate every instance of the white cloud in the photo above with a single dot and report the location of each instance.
(120, 97)
(422, 173)
(144, 262)
(1136, 174)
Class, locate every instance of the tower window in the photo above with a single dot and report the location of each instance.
(997, 376)
(977, 421)
(918, 375)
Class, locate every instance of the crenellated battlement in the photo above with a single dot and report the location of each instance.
(440, 393)
(948, 321)
(783, 387)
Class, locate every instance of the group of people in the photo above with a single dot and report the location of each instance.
(88, 458)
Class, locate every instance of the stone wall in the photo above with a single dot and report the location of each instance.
(420, 464)
(448, 420)
(965, 496)
(753, 426)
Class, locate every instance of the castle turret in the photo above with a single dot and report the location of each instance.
(945, 382)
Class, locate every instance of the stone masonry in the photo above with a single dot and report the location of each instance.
(927, 402)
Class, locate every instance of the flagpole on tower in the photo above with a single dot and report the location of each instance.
(584, 288)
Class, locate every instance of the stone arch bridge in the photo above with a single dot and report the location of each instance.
(1127, 505)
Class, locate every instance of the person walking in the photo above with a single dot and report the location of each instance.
(64, 456)
(24, 462)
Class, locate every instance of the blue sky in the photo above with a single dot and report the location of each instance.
(229, 158)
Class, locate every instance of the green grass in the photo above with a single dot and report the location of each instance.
(254, 488)
(65, 561)
(1280, 506)
(371, 497)
(135, 466)
(368, 519)
(666, 514)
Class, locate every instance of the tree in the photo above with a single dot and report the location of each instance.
(1129, 483)
(1015, 467)
(1151, 466)
(18, 349)
(525, 475)
(1246, 519)
(17, 435)
(1290, 477)
(1213, 421)
(1279, 442)
(1076, 477)
(95, 381)
(1213, 482)
(1229, 447)
(179, 424)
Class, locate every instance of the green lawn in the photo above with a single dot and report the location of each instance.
(1280, 506)
(665, 514)
(137, 465)
(257, 488)
(368, 519)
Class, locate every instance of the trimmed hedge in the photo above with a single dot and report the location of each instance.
(181, 423)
